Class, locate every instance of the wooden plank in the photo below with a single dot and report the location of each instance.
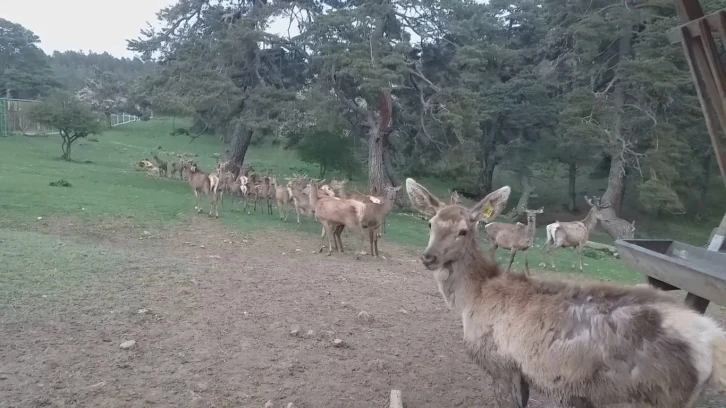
(688, 10)
(709, 47)
(695, 59)
(714, 21)
(396, 399)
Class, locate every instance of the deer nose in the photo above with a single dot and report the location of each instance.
(428, 259)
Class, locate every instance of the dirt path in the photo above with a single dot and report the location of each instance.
(235, 323)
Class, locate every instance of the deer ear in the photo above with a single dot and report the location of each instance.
(490, 206)
(421, 199)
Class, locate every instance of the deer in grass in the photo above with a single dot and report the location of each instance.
(588, 345)
(162, 165)
(334, 214)
(573, 234)
(514, 237)
(203, 183)
(282, 198)
(338, 188)
(300, 198)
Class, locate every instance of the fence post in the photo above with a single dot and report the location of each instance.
(3, 117)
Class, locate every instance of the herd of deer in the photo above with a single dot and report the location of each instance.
(330, 204)
(587, 345)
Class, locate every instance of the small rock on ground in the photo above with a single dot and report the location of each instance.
(127, 344)
(269, 404)
(338, 343)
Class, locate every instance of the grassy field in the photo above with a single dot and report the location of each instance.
(105, 184)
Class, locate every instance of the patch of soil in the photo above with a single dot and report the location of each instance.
(227, 319)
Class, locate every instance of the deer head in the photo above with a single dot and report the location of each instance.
(452, 228)
(532, 214)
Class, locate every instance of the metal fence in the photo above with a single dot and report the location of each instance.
(15, 118)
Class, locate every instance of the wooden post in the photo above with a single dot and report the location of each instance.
(396, 400)
(717, 239)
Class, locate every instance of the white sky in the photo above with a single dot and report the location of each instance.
(90, 25)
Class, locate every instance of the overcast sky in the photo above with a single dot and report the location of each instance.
(89, 25)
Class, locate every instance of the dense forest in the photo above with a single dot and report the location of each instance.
(29, 73)
(454, 89)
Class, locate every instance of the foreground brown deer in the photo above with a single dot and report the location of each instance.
(588, 345)
(514, 237)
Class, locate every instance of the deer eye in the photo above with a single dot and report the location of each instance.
(463, 232)
(429, 224)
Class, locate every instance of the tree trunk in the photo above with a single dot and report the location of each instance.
(523, 203)
(240, 143)
(66, 147)
(376, 172)
(572, 191)
(487, 173)
(616, 178)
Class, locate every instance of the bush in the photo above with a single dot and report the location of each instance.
(69, 116)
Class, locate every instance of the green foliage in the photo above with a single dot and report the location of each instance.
(72, 118)
(329, 150)
(593, 253)
(24, 71)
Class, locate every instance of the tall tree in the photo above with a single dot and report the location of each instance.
(24, 70)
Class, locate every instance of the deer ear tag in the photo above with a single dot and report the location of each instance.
(488, 210)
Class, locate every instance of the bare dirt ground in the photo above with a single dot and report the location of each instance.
(225, 319)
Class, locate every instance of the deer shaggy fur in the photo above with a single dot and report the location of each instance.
(587, 345)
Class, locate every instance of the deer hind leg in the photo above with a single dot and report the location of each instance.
(372, 233)
(329, 233)
(337, 236)
(198, 207)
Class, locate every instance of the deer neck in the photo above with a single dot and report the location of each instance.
(590, 220)
(458, 281)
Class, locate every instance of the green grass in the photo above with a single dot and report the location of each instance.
(106, 184)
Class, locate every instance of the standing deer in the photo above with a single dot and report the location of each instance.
(203, 183)
(333, 212)
(514, 237)
(587, 345)
(162, 165)
(574, 233)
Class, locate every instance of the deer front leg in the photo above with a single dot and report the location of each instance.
(526, 262)
(579, 251)
(511, 391)
(512, 252)
(493, 249)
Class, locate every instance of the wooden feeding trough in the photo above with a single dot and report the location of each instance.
(671, 265)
